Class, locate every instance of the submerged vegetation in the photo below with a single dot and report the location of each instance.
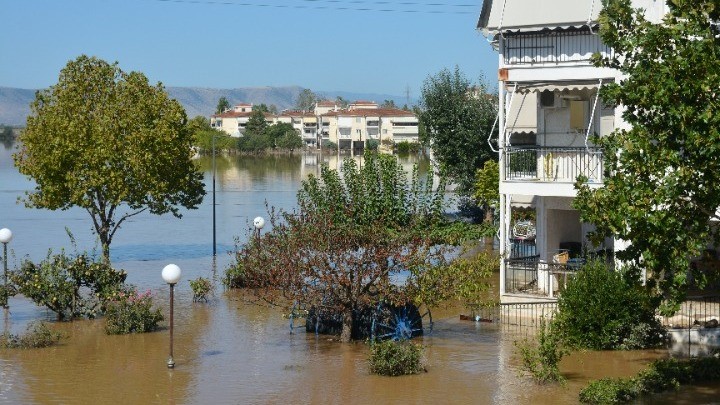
(394, 358)
(38, 335)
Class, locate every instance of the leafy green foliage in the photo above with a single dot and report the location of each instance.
(222, 105)
(37, 335)
(606, 309)
(395, 358)
(541, 359)
(351, 234)
(329, 145)
(102, 139)
(201, 288)
(130, 312)
(290, 141)
(661, 174)
(458, 116)
(662, 375)
(457, 233)
(373, 144)
(306, 100)
(405, 147)
(487, 188)
(465, 279)
(69, 286)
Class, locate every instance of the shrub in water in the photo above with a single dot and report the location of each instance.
(132, 313)
(606, 309)
(540, 359)
(201, 287)
(37, 335)
(69, 286)
(394, 358)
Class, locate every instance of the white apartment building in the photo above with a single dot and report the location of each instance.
(348, 128)
(233, 121)
(548, 110)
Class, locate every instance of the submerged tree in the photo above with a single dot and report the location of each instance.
(661, 174)
(110, 143)
(347, 243)
(457, 117)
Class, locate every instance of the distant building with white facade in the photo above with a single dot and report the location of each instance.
(348, 128)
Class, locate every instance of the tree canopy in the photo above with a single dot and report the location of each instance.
(306, 100)
(348, 239)
(222, 105)
(457, 116)
(661, 174)
(110, 143)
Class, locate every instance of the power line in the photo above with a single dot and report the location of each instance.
(308, 7)
(402, 3)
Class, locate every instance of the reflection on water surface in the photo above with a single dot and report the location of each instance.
(233, 352)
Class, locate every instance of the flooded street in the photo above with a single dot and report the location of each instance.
(230, 351)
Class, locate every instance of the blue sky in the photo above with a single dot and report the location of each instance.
(242, 43)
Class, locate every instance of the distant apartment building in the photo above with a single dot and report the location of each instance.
(349, 128)
(234, 120)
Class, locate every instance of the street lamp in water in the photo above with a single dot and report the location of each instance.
(5, 238)
(258, 223)
(171, 274)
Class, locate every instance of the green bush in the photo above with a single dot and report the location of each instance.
(662, 375)
(605, 309)
(541, 359)
(458, 232)
(329, 145)
(610, 391)
(5, 293)
(394, 358)
(37, 335)
(132, 313)
(201, 287)
(373, 144)
(69, 286)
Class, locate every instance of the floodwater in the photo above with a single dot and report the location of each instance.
(230, 351)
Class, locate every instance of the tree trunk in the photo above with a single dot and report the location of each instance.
(488, 214)
(346, 335)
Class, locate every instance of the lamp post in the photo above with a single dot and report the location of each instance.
(213, 195)
(5, 238)
(171, 274)
(258, 223)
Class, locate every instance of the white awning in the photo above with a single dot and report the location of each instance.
(522, 115)
(536, 15)
(536, 87)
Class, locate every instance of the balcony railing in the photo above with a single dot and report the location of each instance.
(548, 164)
(522, 276)
(553, 47)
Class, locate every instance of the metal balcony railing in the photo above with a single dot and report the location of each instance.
(550, 164)
(553, 47)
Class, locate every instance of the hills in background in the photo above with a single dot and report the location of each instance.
(15, 103)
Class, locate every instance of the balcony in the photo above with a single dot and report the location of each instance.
(553, 48)
(530, 276)
(553, 164)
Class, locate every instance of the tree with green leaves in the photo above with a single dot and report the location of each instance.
(345, 243)
(111, 143)
(457, 122)
(661, 174)
(203, 135)
(388, 104)
(271, 109)
(341, 102)
(487, 188)
(290, 140)
(222, 105)
(306, 100)
(256, 124)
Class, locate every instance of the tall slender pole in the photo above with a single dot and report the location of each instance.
(5, 269)
(213, 196)
(171, 362)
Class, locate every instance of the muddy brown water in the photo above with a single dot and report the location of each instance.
(229, 351)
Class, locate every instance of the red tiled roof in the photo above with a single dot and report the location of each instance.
(233, 114)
